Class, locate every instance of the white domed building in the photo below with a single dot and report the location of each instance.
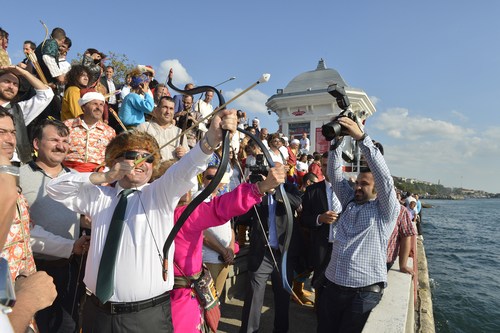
(305, 105)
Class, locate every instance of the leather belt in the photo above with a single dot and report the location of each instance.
(374, 288)
(128, 307)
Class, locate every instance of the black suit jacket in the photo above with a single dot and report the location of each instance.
(257, 241)
(104, 82)
(314, 203)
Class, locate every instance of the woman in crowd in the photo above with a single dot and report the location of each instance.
(274, 148)
(76, 79)
(126, 87)
(187, 315)
(138, 102)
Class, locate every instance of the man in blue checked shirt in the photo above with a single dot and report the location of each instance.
(357, 275)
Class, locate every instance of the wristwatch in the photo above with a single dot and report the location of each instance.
(207, 146)
(362, 137)
(10, 169)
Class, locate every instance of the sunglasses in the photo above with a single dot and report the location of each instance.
(209, 177)
(135, 155)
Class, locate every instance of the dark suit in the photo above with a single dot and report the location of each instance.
(104, 82)
(261, 266)
(314, 203)
(111, 119)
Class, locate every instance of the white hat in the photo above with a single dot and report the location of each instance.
(90, 96)
(410, 199)
(295, 141)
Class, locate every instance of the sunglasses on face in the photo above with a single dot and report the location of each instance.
(135, 155)
(209, 177)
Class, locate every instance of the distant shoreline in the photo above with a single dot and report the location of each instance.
(456, 197)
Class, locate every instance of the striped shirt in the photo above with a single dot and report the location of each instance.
(403, 228)
(359, 250)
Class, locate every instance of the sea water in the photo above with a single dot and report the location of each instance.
(462, 243)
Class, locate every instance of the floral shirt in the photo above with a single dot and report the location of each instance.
(17, 248)
(88, 145)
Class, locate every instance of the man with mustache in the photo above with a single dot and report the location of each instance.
(88, 134)
(162, 127)
(24, 112)
(17, 249)
(55, 235)
(127, 279)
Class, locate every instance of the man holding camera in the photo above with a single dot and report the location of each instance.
(357, 273)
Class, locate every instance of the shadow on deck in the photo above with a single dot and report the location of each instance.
(302, 318)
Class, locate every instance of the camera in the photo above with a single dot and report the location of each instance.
(7, 294)
(333, 129)
(257, 170)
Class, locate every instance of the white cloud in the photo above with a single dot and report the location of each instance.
(398, 123)
(253, 101)
(435, 150)
(493, 134)
(460, 116)
(181, 76)
(375, 100)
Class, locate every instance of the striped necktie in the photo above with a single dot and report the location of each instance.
(106, 274)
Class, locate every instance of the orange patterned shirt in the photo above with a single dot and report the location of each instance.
(88, 145)
(17, 249)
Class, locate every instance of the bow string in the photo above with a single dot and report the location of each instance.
(281, 196)
(213, 184)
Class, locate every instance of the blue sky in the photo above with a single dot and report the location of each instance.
(432, 68)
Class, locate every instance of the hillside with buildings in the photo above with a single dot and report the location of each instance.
(438, 191)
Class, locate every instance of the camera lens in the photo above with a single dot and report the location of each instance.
(331, 130)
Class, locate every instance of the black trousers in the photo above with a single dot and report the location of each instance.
(154, 319)
(58, 318)
(344, 310)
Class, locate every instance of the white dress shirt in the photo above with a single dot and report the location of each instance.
(112, 89)
(33, 107)
(5, 326)
(204, 109)
(149, 218)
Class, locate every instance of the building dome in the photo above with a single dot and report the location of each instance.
(318, 79)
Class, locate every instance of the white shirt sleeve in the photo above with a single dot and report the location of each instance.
(36, 104)
(4, 322)
(43, 241)
(75, 191)
(53, 67)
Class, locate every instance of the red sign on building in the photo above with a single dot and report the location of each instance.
(321, 144)
(298, 113)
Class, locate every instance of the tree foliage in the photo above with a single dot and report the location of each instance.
(121, 63)
(421, 188)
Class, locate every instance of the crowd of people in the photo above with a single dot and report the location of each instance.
(104, 171)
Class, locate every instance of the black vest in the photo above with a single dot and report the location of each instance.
(23, 145)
